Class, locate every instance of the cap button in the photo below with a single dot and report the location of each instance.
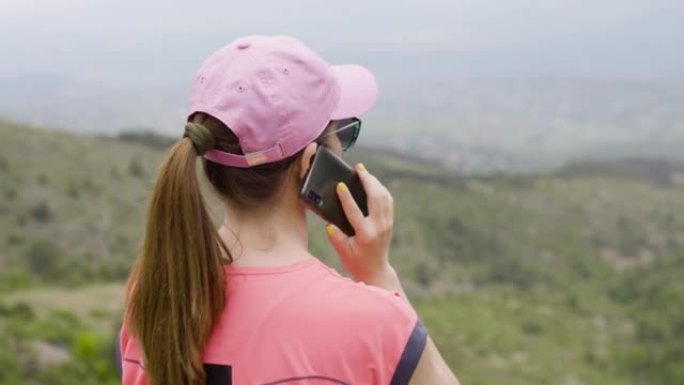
(244, 45)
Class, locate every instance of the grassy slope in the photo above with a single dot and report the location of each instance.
(68, 198)
(513, 275)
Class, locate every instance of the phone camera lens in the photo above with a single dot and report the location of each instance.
(315, 198)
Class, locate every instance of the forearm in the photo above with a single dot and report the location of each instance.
(387, 279)
(432, 369)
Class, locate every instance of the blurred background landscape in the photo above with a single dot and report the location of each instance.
(534, 149)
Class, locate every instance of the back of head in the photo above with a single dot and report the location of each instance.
(255, 105)
(246, 189)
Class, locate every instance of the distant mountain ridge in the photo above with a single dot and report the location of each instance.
(99, 185)
(469, 123)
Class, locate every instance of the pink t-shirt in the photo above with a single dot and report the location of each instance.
(303, 324)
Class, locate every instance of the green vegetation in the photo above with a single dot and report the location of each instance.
(574, 277)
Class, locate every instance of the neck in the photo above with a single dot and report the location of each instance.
(275, 237)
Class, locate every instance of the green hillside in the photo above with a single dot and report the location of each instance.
(574, 277)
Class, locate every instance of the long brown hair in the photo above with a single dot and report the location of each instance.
(177, 285)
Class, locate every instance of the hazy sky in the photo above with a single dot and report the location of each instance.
(99, 65)
(643, 37)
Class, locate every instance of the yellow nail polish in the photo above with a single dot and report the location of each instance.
(341, 187)
(361, 167)
(330, 229)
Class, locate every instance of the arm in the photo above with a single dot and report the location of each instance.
(366, 257)
(431, 369)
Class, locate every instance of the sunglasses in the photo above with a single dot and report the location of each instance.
(341, 133)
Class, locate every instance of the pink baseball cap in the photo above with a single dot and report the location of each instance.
(277, 96)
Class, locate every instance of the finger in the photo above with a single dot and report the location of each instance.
(380, 207)
(379, 199)
(381, 203)
(338, 239)
(351, 209)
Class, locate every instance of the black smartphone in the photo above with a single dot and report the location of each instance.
(319, 188)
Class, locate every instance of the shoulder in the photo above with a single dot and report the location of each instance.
(370, 302)
(386, 324)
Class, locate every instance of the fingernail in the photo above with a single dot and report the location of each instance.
(341, 187)
(329, 229)
(361, 167)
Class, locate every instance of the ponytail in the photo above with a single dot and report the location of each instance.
(176, 288)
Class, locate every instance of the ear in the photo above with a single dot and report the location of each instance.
(306, 158)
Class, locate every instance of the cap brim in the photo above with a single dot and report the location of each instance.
(358, 91)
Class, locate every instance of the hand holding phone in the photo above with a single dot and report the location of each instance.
(319, 194)
(366, 255)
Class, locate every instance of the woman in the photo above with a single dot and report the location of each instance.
(247, 303)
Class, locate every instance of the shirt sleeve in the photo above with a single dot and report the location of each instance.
(411, 354)
(402, 339)
(117, 354)
(132, 368)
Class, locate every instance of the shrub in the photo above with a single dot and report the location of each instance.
(19, 311)
(42, 212)
(88, 184)
(115, 173)
(511, 272)
(4, 164)
(148, 138)
(14, 280)
(424, 275)
(21, 219)
(11, 194)
(73, 190)
(531, 328)
(135, 167)
(10, 370)
(41, 257)
(43, 180)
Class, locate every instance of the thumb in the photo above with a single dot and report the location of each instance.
(338, 239)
